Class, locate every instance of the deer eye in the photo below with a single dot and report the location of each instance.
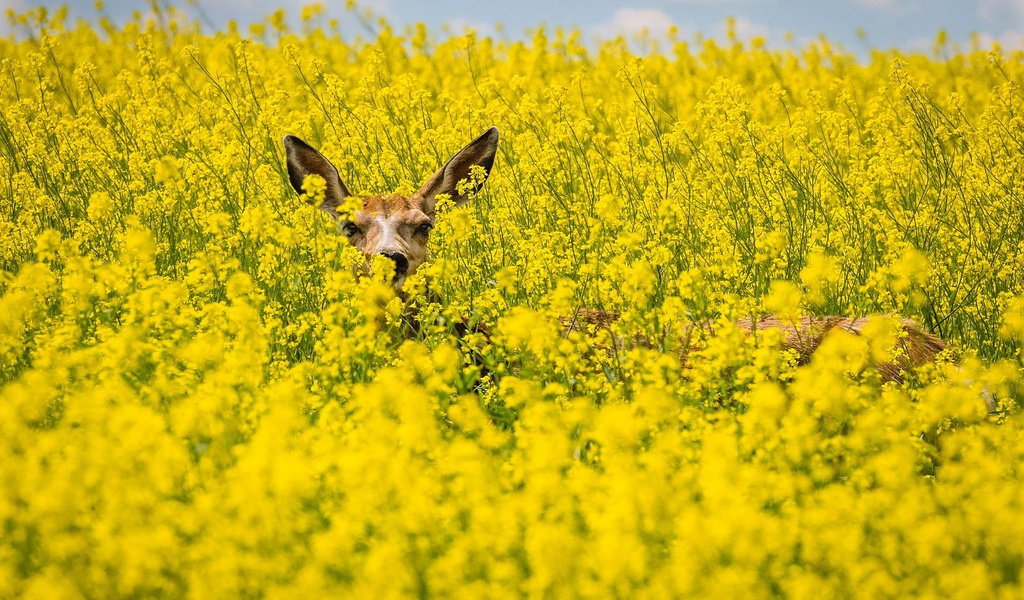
(424, 228)
(349, 228)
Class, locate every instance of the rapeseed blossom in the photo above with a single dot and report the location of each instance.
(206, 392)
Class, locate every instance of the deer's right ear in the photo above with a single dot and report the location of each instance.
(304, 160)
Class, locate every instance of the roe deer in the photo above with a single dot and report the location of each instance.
(398, 227)
(393, 225)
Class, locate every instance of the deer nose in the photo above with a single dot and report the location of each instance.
(401, 262)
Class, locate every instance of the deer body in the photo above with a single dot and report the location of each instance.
(803, 335)
(398, 227)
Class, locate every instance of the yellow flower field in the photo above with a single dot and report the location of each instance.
(199, 397)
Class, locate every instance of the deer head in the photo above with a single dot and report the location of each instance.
(393, 225)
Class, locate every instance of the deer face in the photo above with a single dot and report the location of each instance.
(394, 226)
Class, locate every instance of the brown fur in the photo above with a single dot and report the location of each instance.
(405, 215)
(803, 335)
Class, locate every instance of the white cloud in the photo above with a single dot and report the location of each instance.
(1009, 40)
(745, 29)
(461, 26)
(921, 43)
(882, 4)
(1001, 12)
(1007, 15)
(633, 21)
(892, 6)
(378, 7)
(714, 1)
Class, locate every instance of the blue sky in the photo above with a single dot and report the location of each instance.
(904, 24)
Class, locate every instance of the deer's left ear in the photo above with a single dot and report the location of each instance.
(480, 151)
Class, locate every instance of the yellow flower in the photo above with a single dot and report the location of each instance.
(47, 244)
(784, 299)
(100, 206)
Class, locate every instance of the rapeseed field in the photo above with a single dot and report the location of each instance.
(201, 397)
